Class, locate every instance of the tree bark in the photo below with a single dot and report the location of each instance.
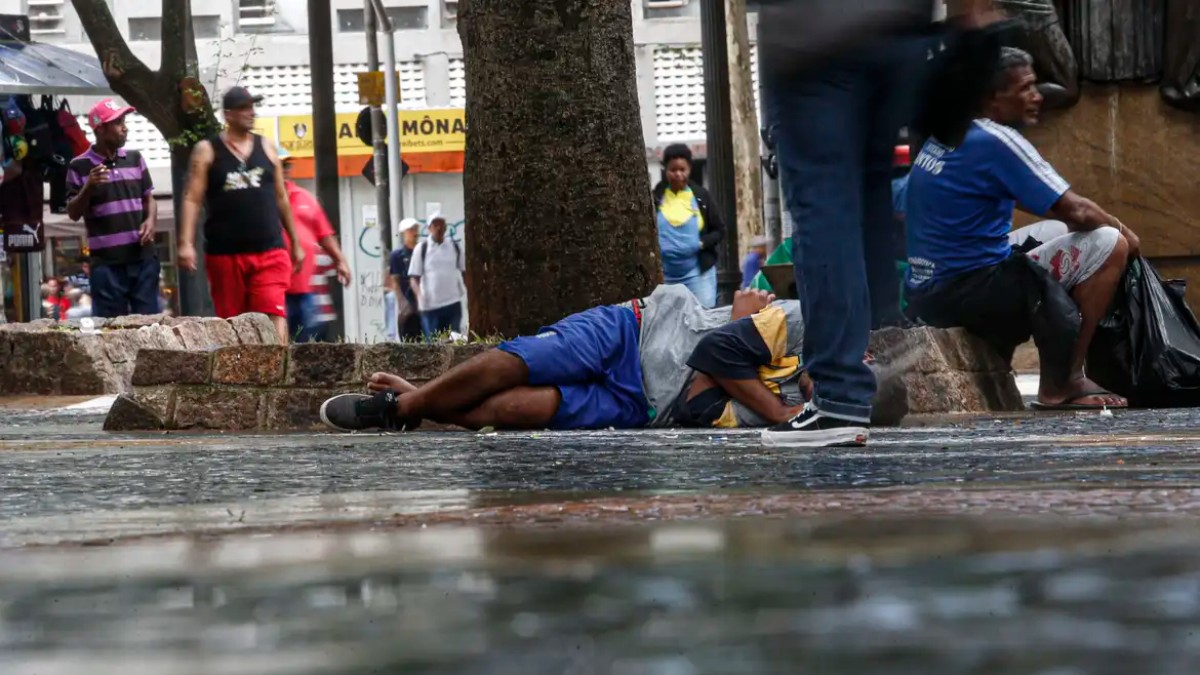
(171, 97)
(557, 192)
(747, 157)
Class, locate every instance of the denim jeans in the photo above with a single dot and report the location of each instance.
(703, 285)
(442, 319)
(125, 288)
(836, 130)
(304, 324)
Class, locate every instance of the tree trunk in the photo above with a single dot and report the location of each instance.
(171, 98)
(747, 158)
(557, 192)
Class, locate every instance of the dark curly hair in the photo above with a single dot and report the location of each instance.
(677, 151)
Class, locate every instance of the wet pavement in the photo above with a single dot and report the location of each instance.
(1057, 545)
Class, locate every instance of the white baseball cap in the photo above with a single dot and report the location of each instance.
(408, 224)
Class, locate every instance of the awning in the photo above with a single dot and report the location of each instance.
(34, 68)
(59, 225)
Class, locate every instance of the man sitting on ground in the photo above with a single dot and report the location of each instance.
(660, 361)
(963, 267)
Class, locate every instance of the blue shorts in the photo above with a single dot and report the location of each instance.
(592, 357)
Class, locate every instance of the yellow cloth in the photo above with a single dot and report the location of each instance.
(678, 209)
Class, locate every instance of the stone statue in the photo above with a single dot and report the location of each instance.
(1044, 39)
(1112, 41)
(1181, 62)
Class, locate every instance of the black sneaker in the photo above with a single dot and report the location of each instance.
(811, 429)
(356, 412)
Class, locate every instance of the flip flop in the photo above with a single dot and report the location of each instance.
(1070, 403)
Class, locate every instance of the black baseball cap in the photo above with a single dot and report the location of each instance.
(239, 97)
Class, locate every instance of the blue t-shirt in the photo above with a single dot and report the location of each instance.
(961, 200)
(398, 263)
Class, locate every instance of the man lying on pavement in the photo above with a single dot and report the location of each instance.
(660, 361)
(963, 267)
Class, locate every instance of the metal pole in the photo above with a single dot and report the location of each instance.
(379, 139)
(772, 195)
(324, 131)
(719, 167)
(392, 96)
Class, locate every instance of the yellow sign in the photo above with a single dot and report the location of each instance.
(370, 88)
(443, 130)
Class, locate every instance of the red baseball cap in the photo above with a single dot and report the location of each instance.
(107, 111)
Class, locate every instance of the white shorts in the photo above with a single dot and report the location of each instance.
(1070, 257)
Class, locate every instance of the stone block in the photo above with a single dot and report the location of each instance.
(120, 345)
(908, 350)
(77, 324)
(460, 354)
(297, 409)
(158, 336)
(1000, 392)
(250, 364)
(220, 332)
(254, 329)
(170, 366)
(129, 414)
(136, 321)
(191, 335)
(1026, 359)
(218, 408)
(418, 362)
(319, 364)
(86, 370)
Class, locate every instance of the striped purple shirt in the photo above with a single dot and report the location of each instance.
(115, 209)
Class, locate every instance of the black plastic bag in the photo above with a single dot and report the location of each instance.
(1148, 347)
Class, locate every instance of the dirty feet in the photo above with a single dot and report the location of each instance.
(1080, 394)
(383, 381)
(358, 412)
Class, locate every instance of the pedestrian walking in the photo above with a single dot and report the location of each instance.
(436, 278)
(689, 229)
(239, 178)
(408, 318)
(315, 234)
(840, 81)
(109, 187)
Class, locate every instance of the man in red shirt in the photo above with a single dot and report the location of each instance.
(312, 229)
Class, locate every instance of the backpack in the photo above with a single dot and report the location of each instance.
(457, 251)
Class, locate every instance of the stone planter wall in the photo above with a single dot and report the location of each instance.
(276, 388)
(264, 387)
(45, 357)
(945, 371)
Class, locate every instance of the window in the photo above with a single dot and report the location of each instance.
(206, 27)
(449, 13)
(252, 13)
(666, 9)
(46, 18)
(143, 29)
(149, 28)
(403, 18)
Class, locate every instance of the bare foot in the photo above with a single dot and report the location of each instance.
(382, 381)
(1082, 392)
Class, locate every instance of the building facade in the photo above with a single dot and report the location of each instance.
(264, 45)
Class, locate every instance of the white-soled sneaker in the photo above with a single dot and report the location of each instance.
(358, 412)
(812, 429)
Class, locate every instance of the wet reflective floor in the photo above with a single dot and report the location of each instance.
(1050, 545)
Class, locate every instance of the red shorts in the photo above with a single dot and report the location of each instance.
(249, 282)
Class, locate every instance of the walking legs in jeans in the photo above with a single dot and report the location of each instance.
(440, 320)
(835, 133)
